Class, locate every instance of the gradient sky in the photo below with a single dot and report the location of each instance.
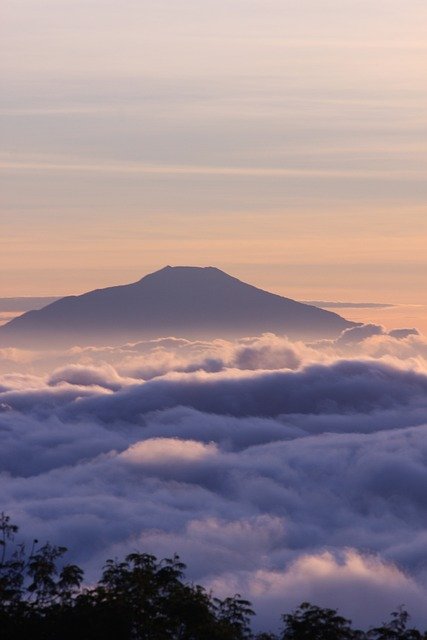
(281, 140)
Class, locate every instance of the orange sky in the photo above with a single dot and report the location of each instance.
(282, 141)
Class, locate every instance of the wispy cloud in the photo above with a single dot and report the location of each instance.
(348, 305)
(61, 165)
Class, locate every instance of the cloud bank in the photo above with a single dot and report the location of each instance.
(279, 470)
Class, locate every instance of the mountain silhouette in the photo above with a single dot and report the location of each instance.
(190, 302)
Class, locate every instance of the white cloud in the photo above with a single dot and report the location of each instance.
(167, 451)
(276, 469)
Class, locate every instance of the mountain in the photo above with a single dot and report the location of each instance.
(191, 302)
(24, 304)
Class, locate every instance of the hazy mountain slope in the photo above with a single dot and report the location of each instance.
(181, 301)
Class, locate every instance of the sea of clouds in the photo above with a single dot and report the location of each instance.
(281, 471)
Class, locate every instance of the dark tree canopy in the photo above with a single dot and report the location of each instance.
(143, 598)
(309, 622)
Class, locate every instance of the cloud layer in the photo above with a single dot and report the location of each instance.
(279, 470)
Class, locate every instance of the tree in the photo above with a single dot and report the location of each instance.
(309, 622)
(396, 628)
(32, 587)
(139, 598)
(234, 615)
(143, 598)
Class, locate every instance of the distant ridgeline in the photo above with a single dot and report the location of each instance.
(189, 302)
(25, 303)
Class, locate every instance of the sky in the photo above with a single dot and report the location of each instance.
(280, 140)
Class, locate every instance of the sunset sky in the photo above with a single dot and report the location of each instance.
(280, 450)
(281, 140)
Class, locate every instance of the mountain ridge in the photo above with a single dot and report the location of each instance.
(186, 301)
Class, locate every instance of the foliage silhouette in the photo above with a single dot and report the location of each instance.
(396, 629)
(310, 622)
(142, 598)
